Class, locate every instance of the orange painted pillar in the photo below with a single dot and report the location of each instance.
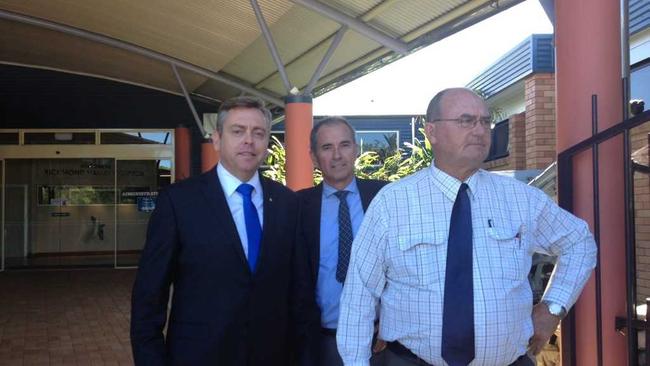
(209, 156)
(182, 149)
(588, 61)
(298, 124)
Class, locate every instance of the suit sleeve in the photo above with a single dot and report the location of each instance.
(305, 311)
(150, 295)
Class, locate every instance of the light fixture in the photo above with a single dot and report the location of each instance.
(63, 136)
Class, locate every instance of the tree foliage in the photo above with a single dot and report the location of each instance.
(400, 163)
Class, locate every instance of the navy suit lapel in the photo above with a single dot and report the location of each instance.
(270, 220)
(312, 213)
(216, 198)
(366, 195)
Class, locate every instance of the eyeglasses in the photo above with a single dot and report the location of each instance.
(468, 122)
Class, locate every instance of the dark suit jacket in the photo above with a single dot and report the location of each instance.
(221, 313)
(309, 239)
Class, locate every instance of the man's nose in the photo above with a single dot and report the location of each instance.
(248, 137)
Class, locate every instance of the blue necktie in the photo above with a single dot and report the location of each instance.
(253, 227)
(345, 236)
(458, 311)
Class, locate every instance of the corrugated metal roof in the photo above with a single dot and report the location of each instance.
(639, 15)
(534, 54)
(543, 57)
(537, 54)
(221, 37)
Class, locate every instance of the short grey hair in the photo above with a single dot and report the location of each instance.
(243, 102)
(329, 121)
(434, 110)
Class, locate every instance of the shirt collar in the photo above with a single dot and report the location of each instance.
(450, 185)
(229, 182)
(328, 190)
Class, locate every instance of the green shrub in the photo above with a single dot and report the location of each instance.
(368, 165)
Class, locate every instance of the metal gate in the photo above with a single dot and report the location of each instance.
(636, 169)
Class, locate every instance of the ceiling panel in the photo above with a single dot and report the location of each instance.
(223, 37)
(203, 32)
(294, 36)
(28, 45)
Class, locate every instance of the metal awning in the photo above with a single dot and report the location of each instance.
(219, 47)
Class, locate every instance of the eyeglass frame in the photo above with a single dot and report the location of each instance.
(486, 121)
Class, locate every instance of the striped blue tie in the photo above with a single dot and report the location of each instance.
(458, 311)
(345, 236)
(253, 227)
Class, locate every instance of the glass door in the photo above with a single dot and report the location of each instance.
(59, 212)
(16, 221)
(2, 215)
(137, 185)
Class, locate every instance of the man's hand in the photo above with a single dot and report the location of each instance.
(380, 344)
(545, 324)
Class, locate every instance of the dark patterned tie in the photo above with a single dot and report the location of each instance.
(345, 236)
(253, 227)
(458, 311)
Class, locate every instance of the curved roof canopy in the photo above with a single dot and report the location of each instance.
(220, 48)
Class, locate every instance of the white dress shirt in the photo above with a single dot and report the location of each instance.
(400, 254)
(229, 183)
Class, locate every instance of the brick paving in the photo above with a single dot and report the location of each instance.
(65, 317)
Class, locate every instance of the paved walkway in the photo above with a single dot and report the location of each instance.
(65, 317)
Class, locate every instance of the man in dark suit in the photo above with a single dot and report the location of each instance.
(331, 214)
(225, 242)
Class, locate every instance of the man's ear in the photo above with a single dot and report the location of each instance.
(429, 131)
(216, 141)
(314, 160)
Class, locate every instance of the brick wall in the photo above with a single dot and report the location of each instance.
(498, 164)
(540, 120)
(639, 141)
(517, 141)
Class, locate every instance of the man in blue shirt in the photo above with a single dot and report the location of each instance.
(331, 214)
(226, 242)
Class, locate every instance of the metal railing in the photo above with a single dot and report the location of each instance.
(565, 199)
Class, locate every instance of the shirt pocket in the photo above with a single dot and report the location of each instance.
(508, 251)
(417, 261)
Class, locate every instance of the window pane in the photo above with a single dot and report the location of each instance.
(499, 146)
(65, 195)
(640, 84)
(383, 143)
(9, 138)
(138, 184)
(136, 138)
(59, 138)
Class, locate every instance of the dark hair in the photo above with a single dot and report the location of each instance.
(241, 102)
(329, 121)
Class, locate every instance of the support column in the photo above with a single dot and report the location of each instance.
(182, 148)
(209, 156)
(540, 121)
(298, 124)
(588, 61)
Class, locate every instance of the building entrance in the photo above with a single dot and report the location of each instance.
(66, 215)
(78, 212)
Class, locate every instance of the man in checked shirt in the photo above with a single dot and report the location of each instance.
(448, 250)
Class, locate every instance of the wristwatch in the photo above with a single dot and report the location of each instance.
(555, 309)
